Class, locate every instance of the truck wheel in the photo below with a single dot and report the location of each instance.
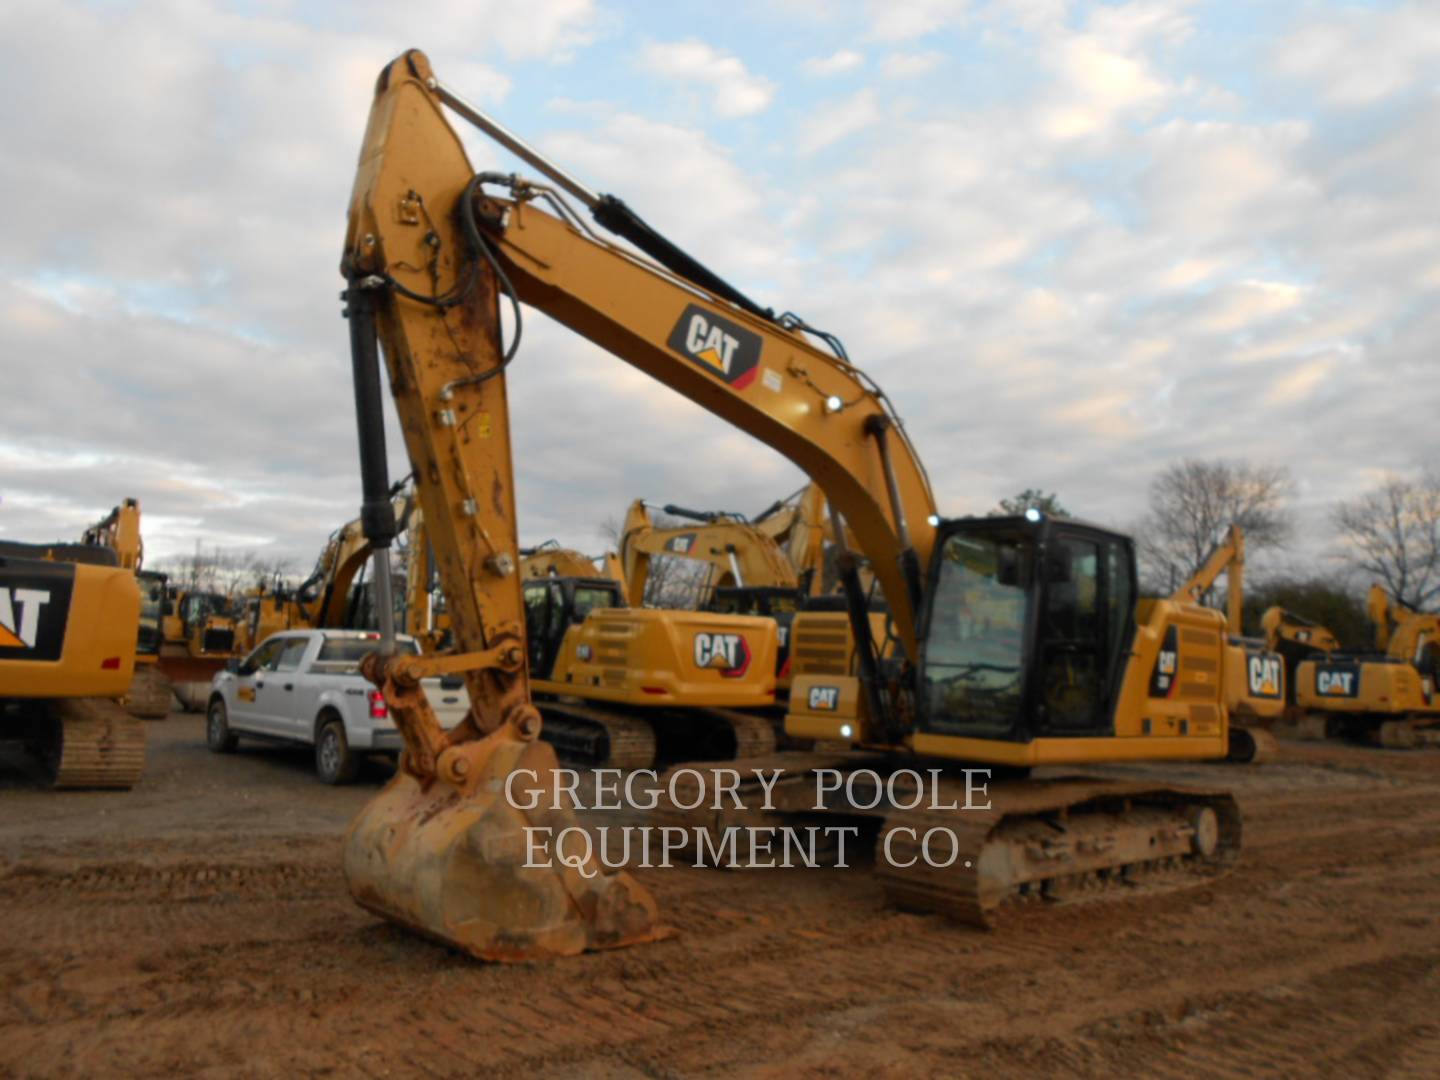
(218, 735)
(335, 763)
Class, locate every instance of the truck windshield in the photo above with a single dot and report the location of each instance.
(341, 652)
(974, 649)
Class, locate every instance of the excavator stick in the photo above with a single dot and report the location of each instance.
(446, 848)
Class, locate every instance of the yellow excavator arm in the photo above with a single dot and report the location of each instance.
(1401, 631)
(737, 553)
(1227, 558)
(551, 560)
(119, 531)
(797, 524)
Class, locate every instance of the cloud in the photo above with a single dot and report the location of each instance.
(837, 120)
(907, 20)
(1092, 244)
(734, 91)
(910, 65)
(1358, 58)
(837, 63)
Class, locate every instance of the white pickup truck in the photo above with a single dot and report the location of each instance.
(305, 686)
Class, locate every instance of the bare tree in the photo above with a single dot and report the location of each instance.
(673, 581)
(1193, 501)
(1393, 534)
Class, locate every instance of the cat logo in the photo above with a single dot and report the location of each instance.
(824, 698)
(34, 609)
(1167, 665)
(721, 347)
(681, 545)
(1264, 671)
(20, 617)
(1335, 683)
(583, 652)
(727, 653)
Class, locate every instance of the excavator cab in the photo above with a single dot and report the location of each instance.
(1026, 629)
(553, 605)
(152, 611)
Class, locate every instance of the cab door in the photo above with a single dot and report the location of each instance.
(249, 681)
(542, 612)
(276, 696)
(1086, 600)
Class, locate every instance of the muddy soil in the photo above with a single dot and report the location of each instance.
(199, 926)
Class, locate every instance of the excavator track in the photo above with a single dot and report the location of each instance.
(596, 737)
(602, 738)
(754, 735)
(150, 693)
(1063, 840)
(1077, 839)
(1410, 733)
(91, 743)
(1251, 745)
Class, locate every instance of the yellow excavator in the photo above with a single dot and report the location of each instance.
(1018, 643)
(622, 685)
(1254, 671)
(1385, 697)
(770, 567)
(737, 555)
(150, 692)
(69, 621)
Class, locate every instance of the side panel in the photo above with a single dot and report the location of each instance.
(667, 658)
(66, 629)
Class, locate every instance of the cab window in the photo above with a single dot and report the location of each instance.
(264, 656)
(590, 597)
(291, 655)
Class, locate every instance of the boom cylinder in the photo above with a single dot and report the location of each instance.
(377, 515)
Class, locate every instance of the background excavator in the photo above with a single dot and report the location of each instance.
(149, 694)
(746, 571)
(1018, 644)
(1254, 671)
(771, 566)
(69, 621)
(736, 554)
(623, 685)
(1386, 696)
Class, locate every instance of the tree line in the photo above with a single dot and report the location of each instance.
(1389, 534)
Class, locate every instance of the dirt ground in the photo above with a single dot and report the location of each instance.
(199, 926)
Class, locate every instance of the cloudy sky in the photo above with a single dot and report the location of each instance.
(1073, 240)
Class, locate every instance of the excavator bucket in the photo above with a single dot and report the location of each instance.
(467, 866)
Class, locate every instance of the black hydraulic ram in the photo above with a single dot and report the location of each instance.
(377, 514)
(608, 210)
